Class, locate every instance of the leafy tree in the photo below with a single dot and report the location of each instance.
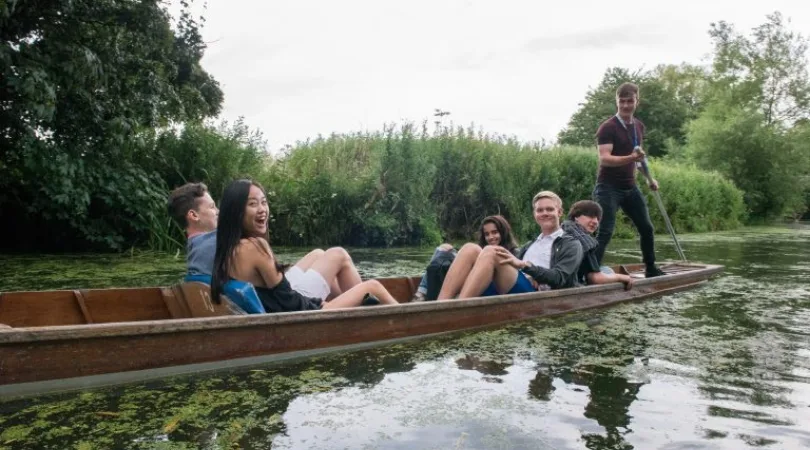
(82, 81)
(767, 69)
(759, 159)
(754, 127)
(799, 138)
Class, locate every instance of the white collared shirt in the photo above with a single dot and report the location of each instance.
(539, 253)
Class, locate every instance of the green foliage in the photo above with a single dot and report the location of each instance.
(215, 154)
(760, 159)
(354, 189)
(397, 188)
(695, 200)
(767, 70)
(754, 127)
(83, 84)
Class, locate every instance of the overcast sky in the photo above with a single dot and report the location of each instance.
(297, 69)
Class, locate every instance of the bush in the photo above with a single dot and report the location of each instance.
(400, 187)
(766, 163)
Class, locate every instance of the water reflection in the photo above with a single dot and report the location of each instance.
(483, 364)
(542, 386)
(723, 367)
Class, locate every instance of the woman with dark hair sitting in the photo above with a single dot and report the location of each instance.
(243, 253)
(494, 231)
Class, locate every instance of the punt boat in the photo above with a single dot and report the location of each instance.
(75, 339)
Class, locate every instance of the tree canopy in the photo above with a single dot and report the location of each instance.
(82, 80)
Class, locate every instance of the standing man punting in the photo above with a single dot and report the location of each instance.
(619, 140)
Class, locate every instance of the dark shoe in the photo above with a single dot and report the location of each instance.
(653, 271)
(370, 300)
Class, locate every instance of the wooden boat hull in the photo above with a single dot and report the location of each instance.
(40, 359)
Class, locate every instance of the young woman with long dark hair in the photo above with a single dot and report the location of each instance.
(243, 253)
(495, 230)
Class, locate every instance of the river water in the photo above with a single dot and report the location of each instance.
(723, 367)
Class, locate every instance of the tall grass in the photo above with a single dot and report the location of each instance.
(407, 186)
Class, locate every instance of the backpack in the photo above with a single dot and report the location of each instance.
(435, 273)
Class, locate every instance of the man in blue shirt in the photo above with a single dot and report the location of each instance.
(192, 207)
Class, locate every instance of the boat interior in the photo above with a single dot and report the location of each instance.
(180, 301)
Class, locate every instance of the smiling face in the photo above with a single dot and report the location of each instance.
(547, 214)
(590, 224)
(491, 234)
(254, 223)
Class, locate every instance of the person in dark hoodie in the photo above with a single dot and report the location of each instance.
(583, 220)
(550, 261)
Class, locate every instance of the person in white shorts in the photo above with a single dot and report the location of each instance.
(324, 274)
(310, 283)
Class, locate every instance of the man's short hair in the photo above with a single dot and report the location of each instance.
(184, 199)
(585, 208)
(627, 90)
(548, 194)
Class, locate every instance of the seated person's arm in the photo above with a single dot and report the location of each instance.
(603, 278)
(565, 267)
(262, 260)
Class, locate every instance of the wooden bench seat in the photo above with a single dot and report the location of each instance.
(196, 297)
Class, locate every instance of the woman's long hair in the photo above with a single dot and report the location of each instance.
(501, 224)
(229, 231)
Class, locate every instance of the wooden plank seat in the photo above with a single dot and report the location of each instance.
(196, 297)
(175, 303)
(402, 289)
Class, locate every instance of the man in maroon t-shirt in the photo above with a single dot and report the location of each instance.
(619, 140)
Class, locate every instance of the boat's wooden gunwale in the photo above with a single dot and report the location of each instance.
(101, 330)
(44, 359)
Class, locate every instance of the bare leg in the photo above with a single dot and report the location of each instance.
(481, 274)
(336, 263)
(459, 271)
(506, 277)
(334, 290)
(354, 296)
(486, 270)
(308, 260)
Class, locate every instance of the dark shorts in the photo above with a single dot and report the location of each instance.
(522, 285)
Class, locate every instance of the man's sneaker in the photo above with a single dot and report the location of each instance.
(418, 297)
(653, 271)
